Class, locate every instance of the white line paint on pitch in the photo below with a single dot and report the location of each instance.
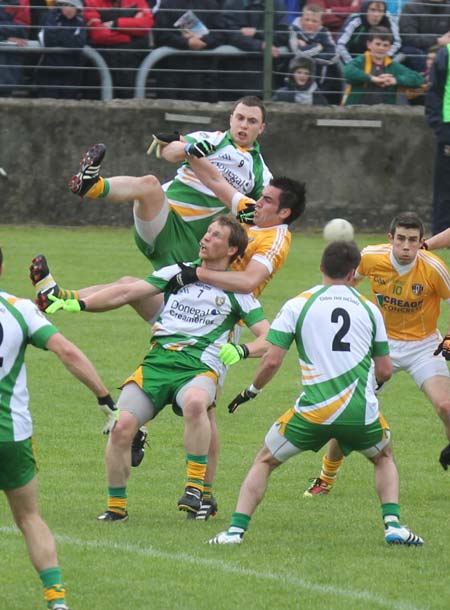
(218, 564)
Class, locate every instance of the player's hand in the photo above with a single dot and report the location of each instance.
(160, 140)
(444, 348)
(199, 149)
(378, 386)
(107, 406)
(444, 458)
(424, 245)
(55, 305)
(238, 400)
(247, 215)
(187, 275)
(230, 353)
(70, 305)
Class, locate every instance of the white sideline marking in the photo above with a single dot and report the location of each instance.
(219, 564)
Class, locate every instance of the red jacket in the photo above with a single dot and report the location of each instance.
(131, 18)
(340, 10)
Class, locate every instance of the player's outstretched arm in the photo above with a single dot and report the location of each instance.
(213, 179)
(440, 240)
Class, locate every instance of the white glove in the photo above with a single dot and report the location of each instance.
(107, 406)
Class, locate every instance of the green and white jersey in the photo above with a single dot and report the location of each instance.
(337, 332)
(243, 168)
(21, 323)
(201, 317)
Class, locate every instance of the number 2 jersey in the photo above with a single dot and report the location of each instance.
(409, 296)
(21, 323)
(337, 332)
(243, 168)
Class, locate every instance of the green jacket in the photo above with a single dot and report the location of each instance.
(357, 75)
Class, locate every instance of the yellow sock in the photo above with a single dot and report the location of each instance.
(196, 470)
(97, 190)
(329, 470)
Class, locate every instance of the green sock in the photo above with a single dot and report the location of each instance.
(207, 491)
(117, 500)
(53, 588)
(391, 513)
(239, 522)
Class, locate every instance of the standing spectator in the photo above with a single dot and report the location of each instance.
(192, 78)
(301, 87)
(14, 24)
(309, 38)
(354, 35)
(374, 78)
(336, 12)
(422, 25)
(416, 97)
(64, 27)
(244, 21)
(123, 27)
(437, 110)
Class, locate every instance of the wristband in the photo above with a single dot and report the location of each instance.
(106, 400)
(82, 305)
(245, 349)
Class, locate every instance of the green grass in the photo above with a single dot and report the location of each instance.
(323, 553)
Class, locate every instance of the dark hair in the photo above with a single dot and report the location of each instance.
(307, 63)
(238, 235)
(339, 258)
(293, 196)
(251, 100)
(379, 31)
(407, 220)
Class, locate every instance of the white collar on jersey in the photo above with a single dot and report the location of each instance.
(401, 269)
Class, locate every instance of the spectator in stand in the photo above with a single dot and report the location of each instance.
(192, 78)
(416, 97)
(373, 77)
(336, 12)
(309, 38)
(60, 76)
(301, 87)
(244, 21)
(14, 24)
(123, 27)
(437, 111)
(422, 25)
(354, 35)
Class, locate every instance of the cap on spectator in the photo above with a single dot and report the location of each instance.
(75, 3)
(302, 62)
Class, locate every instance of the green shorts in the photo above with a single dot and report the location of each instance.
(176, 242)
(307, 436)
(164, 372)
(17, 464)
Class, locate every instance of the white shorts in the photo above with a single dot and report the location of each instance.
(417, 359)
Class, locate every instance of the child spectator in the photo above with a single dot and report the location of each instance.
(59, 76)
(373, 77)
(309, 38)
(119, 30)
(416, 97)
(14, 24)
(301, 87)
(353, 38)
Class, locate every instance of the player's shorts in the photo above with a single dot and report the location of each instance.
(167, 239)
(17, 464)
(417, 359)
(292, 434)
(165, 375)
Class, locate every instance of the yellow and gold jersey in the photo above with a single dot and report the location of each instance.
(409, 302)
(268, 246)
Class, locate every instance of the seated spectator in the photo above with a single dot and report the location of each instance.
(309, 38)
(373, 77)
(353, 38)
(301, 86)
(190, 78)
(244, 22)
(123, 27)
(422, 25)
(60, 76)
(335, 12)
(416, 97)
(14, 25)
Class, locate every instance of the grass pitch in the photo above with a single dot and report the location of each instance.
(323, 553)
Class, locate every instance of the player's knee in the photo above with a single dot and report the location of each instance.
(150, 182)
(442, 407)
(194, 409)
(124, 431)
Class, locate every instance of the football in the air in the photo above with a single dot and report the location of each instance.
(338, 229)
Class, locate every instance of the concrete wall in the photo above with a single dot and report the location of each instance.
(365, 174)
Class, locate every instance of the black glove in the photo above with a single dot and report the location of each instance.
(244, 396)
(444, 458)
(247, 215)
(187, 275)
(160, 140)
(199, 149)
(424, 246)
(444, 347)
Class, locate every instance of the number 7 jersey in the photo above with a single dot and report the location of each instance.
(337, 332)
